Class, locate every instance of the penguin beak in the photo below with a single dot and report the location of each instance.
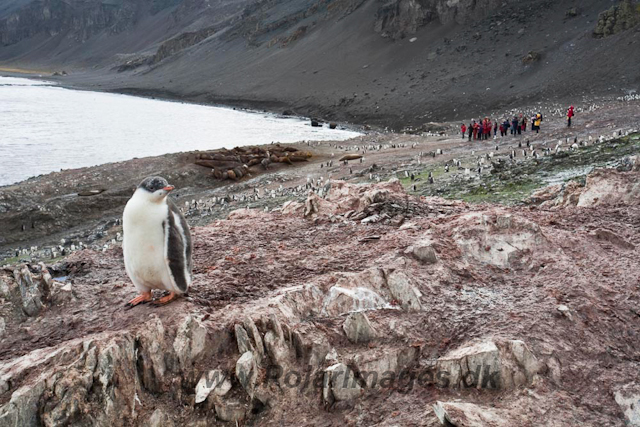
(168, 188)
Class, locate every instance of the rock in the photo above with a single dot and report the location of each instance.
(62, 293)
(609, 236)
(358, 328)
(377, 367)
(159, 418)
(244, 345)
(403, 292)
(564, 310)
(628, 398)
(254, 334)
(277, 348)
(609, 187)
(333, 125)
(30, 291)
(311, 346)
(247, 372)
(531, 58)
(3, 327)
(340, 384)
(212, 380)
(344, 300)
(22, 409)
(189, 341)
(115, 360)
(151, 354)
(231, 411)
(495, 365)
(618, 18)
(424, 252)
(571, 12)
(460, 414)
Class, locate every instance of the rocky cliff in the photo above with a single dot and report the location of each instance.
(401, 18)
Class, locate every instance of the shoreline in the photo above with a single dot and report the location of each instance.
(253, 106)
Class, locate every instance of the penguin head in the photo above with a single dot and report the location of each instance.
(155, 188)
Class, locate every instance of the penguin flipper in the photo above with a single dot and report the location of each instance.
(178, 249)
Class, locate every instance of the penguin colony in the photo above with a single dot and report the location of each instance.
(204, 207)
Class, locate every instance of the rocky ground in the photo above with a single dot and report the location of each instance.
(354, 298)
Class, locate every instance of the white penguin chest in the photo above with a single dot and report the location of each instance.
(144, 243)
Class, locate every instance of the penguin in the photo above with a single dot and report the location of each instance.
(156, 243)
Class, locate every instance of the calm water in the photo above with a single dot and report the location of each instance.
(44, 128)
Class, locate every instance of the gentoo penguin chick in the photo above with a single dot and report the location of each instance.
(156, 242)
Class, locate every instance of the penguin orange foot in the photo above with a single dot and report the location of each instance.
(140, 299)
(166, 299)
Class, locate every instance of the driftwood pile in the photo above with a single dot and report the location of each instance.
(236, 163)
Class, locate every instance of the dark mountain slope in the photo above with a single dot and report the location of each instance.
(401, 62)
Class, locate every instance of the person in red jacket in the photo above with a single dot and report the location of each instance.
(570, 114)
(475, 130)
(464, 130)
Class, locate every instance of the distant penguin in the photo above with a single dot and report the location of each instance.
(156, 243)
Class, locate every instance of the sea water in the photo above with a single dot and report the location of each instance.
(46, 128)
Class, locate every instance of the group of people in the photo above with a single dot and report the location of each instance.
(516, 126)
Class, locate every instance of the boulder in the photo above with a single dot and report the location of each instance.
(247, 372)
(22, 409)
(311, 345)
(189, 341)
(378, 367)
(151, 354)
(609, 187)
(242, 338)
(489, 365)
(62, 293)
(407, 296)
(231, 411)
(358, 328)
(344, 300)
(461, 414)
(254, 334)
(212, 380)
(501, 240)
(31, 291)
(424, 252)
(611, 237)
(340, 384)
